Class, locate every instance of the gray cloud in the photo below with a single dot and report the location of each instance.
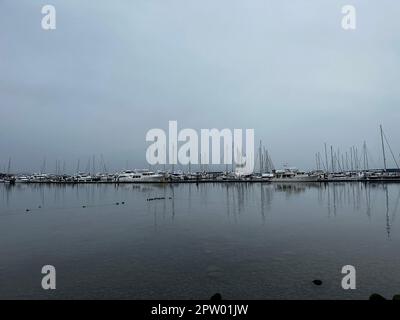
(114, 69)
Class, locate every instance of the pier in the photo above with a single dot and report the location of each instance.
(159, 177)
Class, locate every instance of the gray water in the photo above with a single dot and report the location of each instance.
(245, 241)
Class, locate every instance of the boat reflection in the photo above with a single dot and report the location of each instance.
(236, 200)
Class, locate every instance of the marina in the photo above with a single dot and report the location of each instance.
(199, 159)
(145, 176)
(348, 166)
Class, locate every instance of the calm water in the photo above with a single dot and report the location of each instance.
(245, 241)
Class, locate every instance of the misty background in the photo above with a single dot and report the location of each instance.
(112, 70)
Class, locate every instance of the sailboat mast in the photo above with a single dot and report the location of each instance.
(326, 159)
(261, 160)
(383, 149)
(9, 165)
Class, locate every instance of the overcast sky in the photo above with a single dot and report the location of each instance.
(112, 70)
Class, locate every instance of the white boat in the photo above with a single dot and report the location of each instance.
(347, 176)
(267, 176)
(83, 177)
(293, 175)
(42, 177)
(9, 180)
(105, 177)
(139, 176)
(22, 179)
(176, 175)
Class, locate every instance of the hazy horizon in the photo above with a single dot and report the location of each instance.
(111, 71)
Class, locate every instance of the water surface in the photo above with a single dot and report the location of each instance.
(245, 241)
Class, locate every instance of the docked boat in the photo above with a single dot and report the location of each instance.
(293, 175)
(105, 177)
(139, 176)
(346, 177)
(384, 176)
(10, 180)
(267, 176)
(83, 177)
(42, 177)
(22, 179)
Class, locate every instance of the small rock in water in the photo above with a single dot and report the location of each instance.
(123, 202)
(317, 282)
(216, 297)
(396, 297)
(27, 210)
(83, 206)
(376, 297)
(39, 207)
(117, 203)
